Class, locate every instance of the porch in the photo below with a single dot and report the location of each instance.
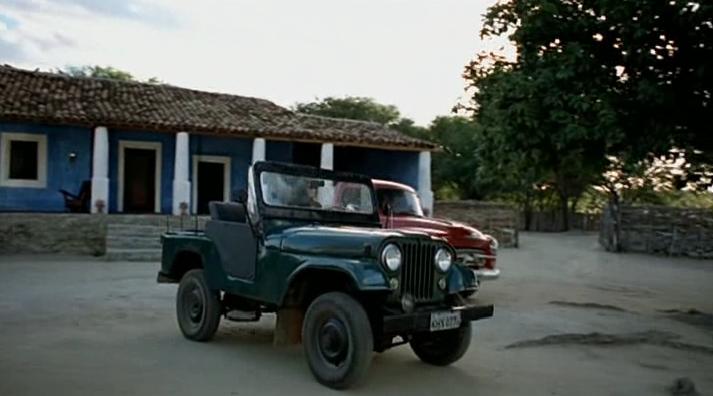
(139, 172)
(116, 237)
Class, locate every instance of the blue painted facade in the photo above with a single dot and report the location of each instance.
(168, 153)
(280, 151)
(68, 174)
(239, 150)
(62, 172)
(399, 166)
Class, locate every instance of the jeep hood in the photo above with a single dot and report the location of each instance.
(341, 241)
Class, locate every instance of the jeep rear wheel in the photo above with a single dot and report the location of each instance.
(442, 348)
(337, 340)
(198, 308)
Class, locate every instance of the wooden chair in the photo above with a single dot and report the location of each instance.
(78, 203)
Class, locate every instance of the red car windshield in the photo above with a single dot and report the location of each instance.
(402, 202)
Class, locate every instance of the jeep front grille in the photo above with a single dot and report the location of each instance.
(417, 271)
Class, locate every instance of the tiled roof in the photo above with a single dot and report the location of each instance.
(41, 97)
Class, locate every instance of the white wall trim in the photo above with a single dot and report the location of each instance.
(227, 173)
(424, 181)
(181, 163)
(258, 150)
(100, 170)
(41, 139)
(136, 144)
(326, 160)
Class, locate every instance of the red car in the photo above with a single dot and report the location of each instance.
(473, 248)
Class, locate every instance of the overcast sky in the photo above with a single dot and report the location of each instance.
(409, 53)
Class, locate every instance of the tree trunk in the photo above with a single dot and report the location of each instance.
(573, 210)
(564, 210)
(527, 211)
(614, 203)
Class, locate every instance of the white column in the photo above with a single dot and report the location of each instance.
(181, 184)
(327, 160)
(258, 150)
(100, 171)
(424, 181)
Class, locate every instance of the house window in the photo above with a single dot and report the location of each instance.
(24, 160)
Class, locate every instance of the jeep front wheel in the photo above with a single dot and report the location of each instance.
(442, 348)
(337, 340)
(198, 308)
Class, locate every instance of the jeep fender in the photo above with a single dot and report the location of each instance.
(199, 247)
(461, 278)
(365, 276)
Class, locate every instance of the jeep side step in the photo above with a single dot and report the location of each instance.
(237, 315)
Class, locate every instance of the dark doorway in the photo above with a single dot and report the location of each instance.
(139, 180)
(307, 154)
(211, 184)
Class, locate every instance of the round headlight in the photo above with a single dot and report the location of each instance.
(391, 257)
(443, 260)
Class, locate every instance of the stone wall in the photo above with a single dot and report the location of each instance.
(658, 229)
(82, 234)
(551, 221)
(498, 220)
(85, 234)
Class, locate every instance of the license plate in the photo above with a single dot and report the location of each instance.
(445, 320)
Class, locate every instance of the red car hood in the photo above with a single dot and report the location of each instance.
(458, 234)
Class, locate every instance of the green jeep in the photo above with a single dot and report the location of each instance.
(306, 243)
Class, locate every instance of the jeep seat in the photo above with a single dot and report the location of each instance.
(227, 211)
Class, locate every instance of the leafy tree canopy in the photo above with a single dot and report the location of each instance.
(453, 169)
(351, 107)
(592, 78)
(103, 72)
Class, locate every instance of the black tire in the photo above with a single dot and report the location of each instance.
(198, 309)
(442, 348)
(337, 339)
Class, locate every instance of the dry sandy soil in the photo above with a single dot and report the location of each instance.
(570, 319)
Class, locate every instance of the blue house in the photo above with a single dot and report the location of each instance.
(146, 148)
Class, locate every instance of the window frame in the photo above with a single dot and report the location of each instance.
(6, 139)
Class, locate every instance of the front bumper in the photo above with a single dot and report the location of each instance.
(487, 273)
(416, 322)
(482, 264)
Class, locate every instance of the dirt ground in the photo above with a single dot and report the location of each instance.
(570, 319)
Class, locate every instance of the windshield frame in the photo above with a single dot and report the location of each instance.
(267, 211)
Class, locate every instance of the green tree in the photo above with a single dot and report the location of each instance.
(454, 168)
(592, 78)
(108, 72)
(351, 107)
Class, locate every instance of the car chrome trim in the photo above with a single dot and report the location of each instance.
(487, 274)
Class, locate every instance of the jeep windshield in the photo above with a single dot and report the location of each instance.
(301, 192)
(288, 191)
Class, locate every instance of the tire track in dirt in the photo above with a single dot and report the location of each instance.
(650, 337)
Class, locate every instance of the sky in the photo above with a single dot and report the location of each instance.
(409, 53)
